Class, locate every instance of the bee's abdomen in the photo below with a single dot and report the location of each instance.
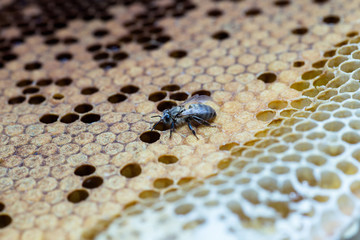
(203, 111)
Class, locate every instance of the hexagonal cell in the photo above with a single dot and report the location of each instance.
(350, 66)
(336, 61)
(319, 64)
(342, 114)
(265, 115)
(278, 104)
(332, 150)
(300, 103)
(347, 50)
(77, 196)
(317, 160)
(329, 180)
(347, 167)
(306, 175)
(131, 170)
(161, 183)
(300, 86)
(311, 74)
(327, 94)
(323, 79)
(303, 146)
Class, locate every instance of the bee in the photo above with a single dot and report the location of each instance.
(195, 112)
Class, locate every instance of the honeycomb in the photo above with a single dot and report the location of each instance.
(81, 80)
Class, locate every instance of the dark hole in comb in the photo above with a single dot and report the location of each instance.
(83, 108)
(136, 31)
(36, 99)
(116, 98)
(63, 82)
(180, 96)
(120, 56)
(166, 105)
(282, 3)
(178, 54)
(221, 35)
(90, 118)
(92, 182)
(89, 90)
(30, 90)
(16, 41)
(9, 57)
(150, 136)
(300, 31)
(84, 170)
(298, 63)
(5, 220)
(64, 57)
(157, 96)
(101, 56)
(58, 96)
(156, 30)
(253, 12)
(162, 127)
(332, 19)
(52, 41)
(130, 89)
(151, 47)
(170, 87)
(49, 118)
(69, 118)
(24, 82)
(16, 100)
(320, 1)
(94, 48)
(2, 206)
(60, 24)
(33, 66)
(44, 82)
(214, 12)
(125, 39)
(113, 47)
(267, 77)
(107, 65)
(131, 170)
(100, 33)
(106, 17)
(70, 40)
(143, 39)
(201, 92)
(77, 196)
(163, 38)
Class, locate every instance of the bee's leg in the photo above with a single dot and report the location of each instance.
(154, 126)
(201, 121)
(172, 127)
(191, 128)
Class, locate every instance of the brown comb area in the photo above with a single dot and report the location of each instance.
(80, 81)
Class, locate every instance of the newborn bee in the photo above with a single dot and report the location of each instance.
(196, 112)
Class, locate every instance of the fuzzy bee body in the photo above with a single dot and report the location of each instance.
(195, 112)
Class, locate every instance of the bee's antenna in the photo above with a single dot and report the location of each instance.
(156, 116)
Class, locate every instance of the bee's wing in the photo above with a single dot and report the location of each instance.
(196, 99)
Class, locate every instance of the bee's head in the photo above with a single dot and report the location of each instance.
(166, 117)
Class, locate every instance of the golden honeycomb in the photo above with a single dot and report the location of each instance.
(81, 81)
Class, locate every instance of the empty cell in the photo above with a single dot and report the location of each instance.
(350, 66)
